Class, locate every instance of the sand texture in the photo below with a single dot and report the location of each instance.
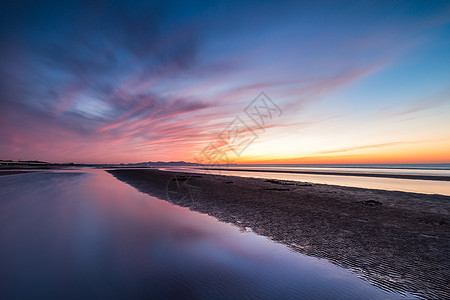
(396, 240)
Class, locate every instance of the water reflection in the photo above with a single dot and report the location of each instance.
(433, 170)
(84, 234)
(390, 184)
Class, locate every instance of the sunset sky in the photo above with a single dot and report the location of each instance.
(132, 81)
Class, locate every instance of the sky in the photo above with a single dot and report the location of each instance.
(235, 81)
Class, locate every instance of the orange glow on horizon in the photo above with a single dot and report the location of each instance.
(435, 156)
(345, 160)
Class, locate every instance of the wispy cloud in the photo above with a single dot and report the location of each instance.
(364, 147)
(92, 81)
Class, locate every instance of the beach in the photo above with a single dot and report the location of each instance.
(2, 173)
(359, 174)
(83, 234)
(396, 240)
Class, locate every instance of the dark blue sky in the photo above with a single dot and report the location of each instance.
(111, 81)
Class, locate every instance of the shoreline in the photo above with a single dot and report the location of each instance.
(13, 172)
(396, 240)
(357, 174)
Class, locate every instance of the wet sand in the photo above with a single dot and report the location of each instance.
(399, 241)
(12, 172)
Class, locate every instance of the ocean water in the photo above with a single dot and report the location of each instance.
(82, 234)
(401, 169)
(393, 184)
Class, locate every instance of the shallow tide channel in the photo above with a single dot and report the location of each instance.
(83, 234)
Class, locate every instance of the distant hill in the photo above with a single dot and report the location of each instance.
(161, 163)
(23, 162)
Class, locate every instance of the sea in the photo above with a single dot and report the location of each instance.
(434, 178)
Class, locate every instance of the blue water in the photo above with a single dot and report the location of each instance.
(85, 235)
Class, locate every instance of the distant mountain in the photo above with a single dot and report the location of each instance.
(24, 161)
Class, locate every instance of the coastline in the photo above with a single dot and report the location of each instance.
(396, 240)
(14, 172)
(358, 174)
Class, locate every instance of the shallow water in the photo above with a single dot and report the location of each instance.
(390, 184)
(401, 169)
(84, 234)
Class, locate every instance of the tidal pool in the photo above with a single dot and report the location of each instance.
(83, 234)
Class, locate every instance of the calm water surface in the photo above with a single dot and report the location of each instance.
(404, 169)
(83, 234)
(390, 184)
